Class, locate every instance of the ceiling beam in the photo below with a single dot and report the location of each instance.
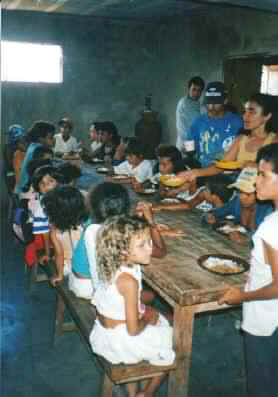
(230, 3)
(56, 6)
(11, 5)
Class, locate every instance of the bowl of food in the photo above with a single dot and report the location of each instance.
(171, 180)
(228, 165)
(225, 265)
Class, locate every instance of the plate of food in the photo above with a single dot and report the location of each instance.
(228, 165)
(171, 180)
(170, 200)
(102, 170)
(120, 176)
(226, 228)
(147, 191)
(225, 265)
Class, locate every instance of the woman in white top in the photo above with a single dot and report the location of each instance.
(260, 296)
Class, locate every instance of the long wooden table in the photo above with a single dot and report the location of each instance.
(187, 287)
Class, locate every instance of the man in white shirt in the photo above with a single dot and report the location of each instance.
(65, 143)
(188, 109)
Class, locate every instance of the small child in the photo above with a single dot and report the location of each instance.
(135, 166)
(43, 180)
(19, 154)
(170, 163)
(260, 295)
(110, 199)
(213, 194)
(244, 207)
(66, 211)
(121, 333)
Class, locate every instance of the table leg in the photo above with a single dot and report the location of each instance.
(183, 331)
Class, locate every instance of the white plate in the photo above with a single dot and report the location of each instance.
(170, 200)
(102, 169)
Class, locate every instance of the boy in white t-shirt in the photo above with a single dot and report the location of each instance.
(138, 169)
(260, 295)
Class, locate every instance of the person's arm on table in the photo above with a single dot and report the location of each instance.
(144, 209)
(211, 170)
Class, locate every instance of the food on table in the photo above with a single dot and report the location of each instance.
(171, 180)
(226, 229)
(223, 266)
(120, 176)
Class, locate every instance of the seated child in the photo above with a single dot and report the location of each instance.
(43, 153)
(19, 154)
(135, 166)
(43, 180)
(109, 199)
(122, 334)
(214, 193)
(67, 215)
(244, 207)
(170, 162)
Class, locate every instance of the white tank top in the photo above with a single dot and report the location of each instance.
(109, 302)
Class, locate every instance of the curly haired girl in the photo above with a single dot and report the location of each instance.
(122, 334)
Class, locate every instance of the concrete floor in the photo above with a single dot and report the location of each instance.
(32, 367)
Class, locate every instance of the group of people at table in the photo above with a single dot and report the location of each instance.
(99, 244)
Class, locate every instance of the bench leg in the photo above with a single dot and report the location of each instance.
(59, 320)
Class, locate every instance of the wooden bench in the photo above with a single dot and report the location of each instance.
(83, 315)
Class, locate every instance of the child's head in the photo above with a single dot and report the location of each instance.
(94, 131)
(108, 199)
(15, 134)
(170, 159)
(70, 173)
(267, 179)
(65, 207)
(218, 192)
(122, 240)
(245, 184)
(65, 126)
(109, 132)
(45, 178)
(43, 152)
(135, 152)
(42, 132)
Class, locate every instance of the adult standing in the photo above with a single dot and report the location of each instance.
(188, 109)
(212, 134)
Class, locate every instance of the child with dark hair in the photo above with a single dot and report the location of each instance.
(247, 212)
(67, 214)
(109, 199)
(40, 134)
(170, 162)
(43, 152)
(206, 194)
(70, 173)
(259, 298)
(44, 179)
(135, 167)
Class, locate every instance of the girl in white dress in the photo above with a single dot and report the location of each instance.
(122, 332)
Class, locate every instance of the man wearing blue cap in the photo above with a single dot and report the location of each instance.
(212, 134)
